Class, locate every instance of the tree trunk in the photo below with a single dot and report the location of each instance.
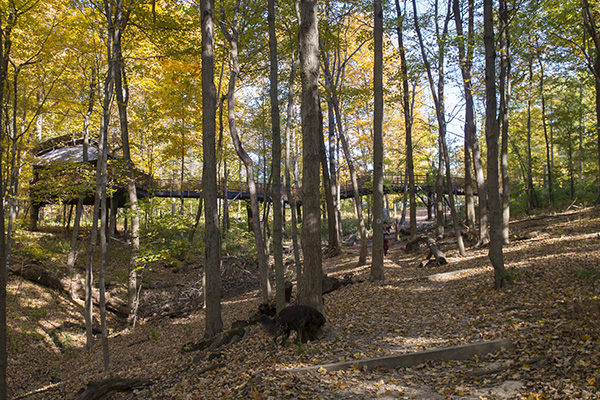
(232, 38)
(288, 167)
(531, 203)
(466, 62)
(333, 242)
(122, 94)
(333, 176)
(408, 121)
(504, 117)
(5, 45)
(377, 252)
(212, 236)
(310, 291)
(438, 98)
(197, 219)
(590, 26)
(73, 249)
(491, 135)
(79, 209)
(332, 89)
(546, 138)
(276, 162)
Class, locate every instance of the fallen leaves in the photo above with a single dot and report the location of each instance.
(552, 314)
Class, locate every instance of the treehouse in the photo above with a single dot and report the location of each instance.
(62, 175)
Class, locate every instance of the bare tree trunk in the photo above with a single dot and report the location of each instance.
(466, 63)
(122, 94)
(438, 98)
(333, 243)
(531, 203)
(408, 122)
(212, 236)
(504, 89)
(377, 273)
(332, 84)
(362, 258)
(594, 65)
(276, 162)
(333, 176)
(197, 219)
(6, 26)
(492, 136)
(546, 139)
(232, 38)
(310, 291)
(288, 180)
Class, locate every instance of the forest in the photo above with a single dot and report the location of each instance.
(409, 190)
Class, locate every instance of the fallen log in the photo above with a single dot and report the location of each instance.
(39, 274)
(463, 352)
(434, 250)
(99, 390)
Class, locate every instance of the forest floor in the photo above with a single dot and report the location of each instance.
(551, 313)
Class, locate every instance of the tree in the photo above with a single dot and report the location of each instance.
(503, 117)
(212, 236)
(377, 257)
(438, 99)
(122, 93)
(408, 123)
(589, 22)
(333, 81)
(492, 138)
(232, 38)
(310, 292)
(276, 162)
(6, 27)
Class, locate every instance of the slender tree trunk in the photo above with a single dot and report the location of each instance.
(197, 219)
(333, 176)
(276, 149)
(438, 98)
(362, 258)
(248, 163)
(504, 89)
(310, 291)
(333, 243)
(377, 273)
(288, 167)
(6, 26)
(492, 136)
(591, 27)
(212, 236)
(122, 95)
(465, 59)
(73, 249)
(531, 203)
(546, 138)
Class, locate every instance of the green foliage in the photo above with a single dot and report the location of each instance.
(154, 335)
(239, 241)
(40, 246)
(166, 238)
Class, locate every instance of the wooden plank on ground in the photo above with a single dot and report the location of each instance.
(463, 352)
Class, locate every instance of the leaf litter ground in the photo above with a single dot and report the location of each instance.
(552, 314)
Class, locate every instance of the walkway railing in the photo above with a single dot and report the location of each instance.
(392, 183)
